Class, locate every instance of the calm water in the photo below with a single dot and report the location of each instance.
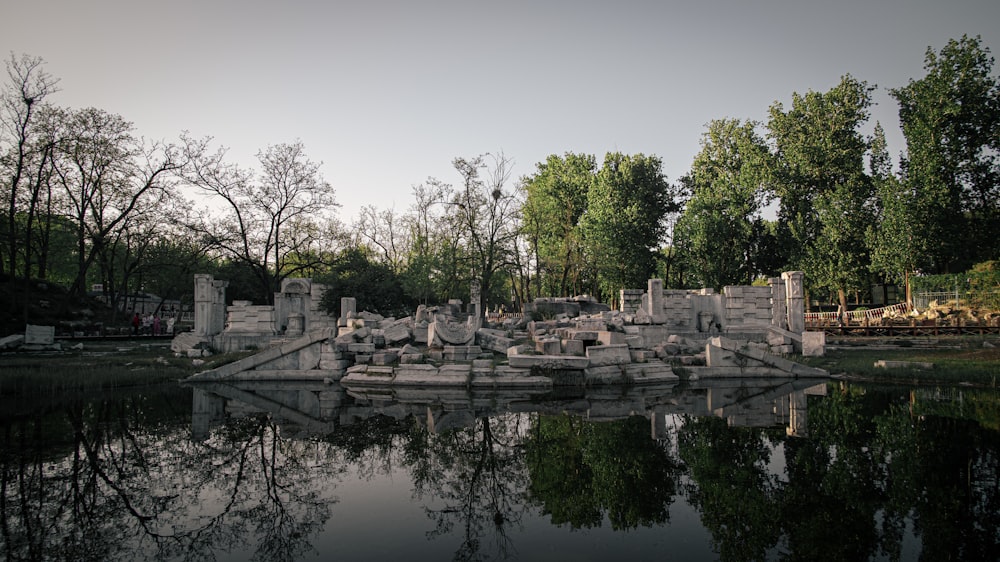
(731, 470)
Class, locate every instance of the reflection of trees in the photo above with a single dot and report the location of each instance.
(833, 492)
(472, 478)
(872, 462)
(731, 485)
(130, 488)
(945, 473)
(582, 470)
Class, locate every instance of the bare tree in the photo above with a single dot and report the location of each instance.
(274, 218)
(385, 232)
(28, 86)
(486, 213)
(107, 176)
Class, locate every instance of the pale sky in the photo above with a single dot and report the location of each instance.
(387, 92)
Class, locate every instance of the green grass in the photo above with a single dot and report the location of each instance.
(96, 368)
(971, 363)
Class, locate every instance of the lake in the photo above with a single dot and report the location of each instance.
(737, 469)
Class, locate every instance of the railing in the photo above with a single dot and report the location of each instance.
(857, 316)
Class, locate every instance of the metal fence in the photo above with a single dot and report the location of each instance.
(857, 316)
(973, 299)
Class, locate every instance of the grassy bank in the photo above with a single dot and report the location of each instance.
(960, 360)
(99, 366)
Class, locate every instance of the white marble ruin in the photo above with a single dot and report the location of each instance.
(743, 331)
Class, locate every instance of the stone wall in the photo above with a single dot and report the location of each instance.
(736, 309)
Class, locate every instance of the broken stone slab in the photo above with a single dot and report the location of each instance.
(885, 364)
(361, 347)
(606, 374)
(650, 373)
(482, 365)
(548, 346)
(397, 333)
(522, 349)
(514, 378)
(548, 362)
(611, 338)
(581, 335)
(410, 350)
(12, 341)
(813, 344)
(384, 358)
(783, 336)
(573, 347)
(609, 354)
(764, 358)
(493, 340)
(635, 342)
(642, 355)
(39, 335)
(591, 323)
(461, 352)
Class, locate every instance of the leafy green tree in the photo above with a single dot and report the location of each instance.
(556, 200)
(826, 196)
(721, 226)
(951, 121)
(375, 285)
(625, 222)
(893, 238)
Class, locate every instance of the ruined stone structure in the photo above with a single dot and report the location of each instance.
(739, 332)
(736, 309)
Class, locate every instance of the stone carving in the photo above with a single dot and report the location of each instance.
(442, 333)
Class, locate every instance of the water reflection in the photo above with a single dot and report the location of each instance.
(732, 470)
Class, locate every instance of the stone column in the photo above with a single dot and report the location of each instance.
(202, 303)
(475, 299)
(779, 316)
(348, 308)
(654, 304)
(218, 321)
(795, 301)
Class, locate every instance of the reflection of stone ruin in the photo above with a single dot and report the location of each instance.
(315, 408)
(743, 331)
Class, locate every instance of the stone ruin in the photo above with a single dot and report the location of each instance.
(743, 331)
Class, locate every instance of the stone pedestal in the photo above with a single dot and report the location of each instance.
(296, 324)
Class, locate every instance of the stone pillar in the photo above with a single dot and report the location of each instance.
(654, 304)
(795, 301)
(779, 315)
(348, 308)
(202, 303)
(475, 299)
(218, 320)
